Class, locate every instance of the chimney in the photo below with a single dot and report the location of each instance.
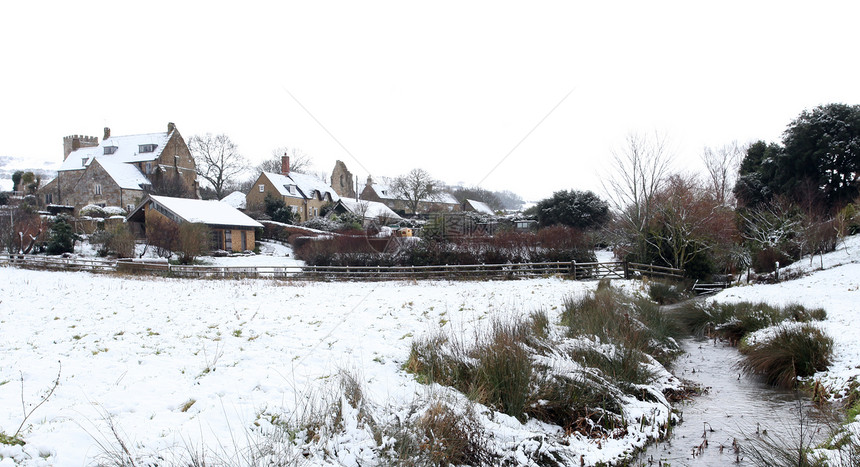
(369, 181)
(285, 165)
(170, 127)
(107, 134)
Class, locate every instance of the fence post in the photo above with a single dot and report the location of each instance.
(626, 270)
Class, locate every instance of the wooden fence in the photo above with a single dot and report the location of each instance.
(578, 271)
(54, 262)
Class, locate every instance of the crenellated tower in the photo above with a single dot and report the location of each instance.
(74, 142)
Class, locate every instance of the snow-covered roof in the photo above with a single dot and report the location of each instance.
(210, 212)
(235, 199)
(371, 209)
(127, 176)
(385, 192)
(480, 206)
(127, 150)
(307, 186)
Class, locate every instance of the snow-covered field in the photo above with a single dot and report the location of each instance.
(134, 351)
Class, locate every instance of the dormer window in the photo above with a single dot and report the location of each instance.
(83, 162)
(110, 150)
(291, 189)
(146, 148)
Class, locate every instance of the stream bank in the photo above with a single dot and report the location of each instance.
(729, 414)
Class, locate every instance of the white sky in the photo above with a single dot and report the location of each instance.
(450, 87)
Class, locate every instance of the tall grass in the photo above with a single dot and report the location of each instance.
(732, 321)
(791, 352)
(612, 317)
(605, 336)
(667, 293)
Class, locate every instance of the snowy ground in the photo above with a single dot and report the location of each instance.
(135, 350)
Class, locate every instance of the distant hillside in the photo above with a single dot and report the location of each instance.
(47, 170)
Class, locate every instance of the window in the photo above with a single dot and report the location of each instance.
(146, 147)
(244, 240)
(148, 168)
(110, 150)
(49, 198)
(97, 189)
(215, 239)
(83, 162)
(228, 240)
(262, 188)
(292, 189)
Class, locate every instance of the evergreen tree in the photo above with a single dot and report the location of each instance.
(61, 238)
(819, 160)
(580, 209)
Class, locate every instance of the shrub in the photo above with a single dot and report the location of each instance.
(161, 233)
(61, 237)
(787, 353)
(193, 241)
(278, 210)
(92, 210)
(116, 240)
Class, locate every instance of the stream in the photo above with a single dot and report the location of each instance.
(734, 407)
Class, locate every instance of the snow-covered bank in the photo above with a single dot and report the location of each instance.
(138, 351)
(836, 288)
(831, 282)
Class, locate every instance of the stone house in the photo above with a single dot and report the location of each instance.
(117, 171)
(382, 193)
(230, 229)
(304, 194)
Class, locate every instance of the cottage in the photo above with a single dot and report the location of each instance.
(382, 193)
(370, 211)
(231, 230)
(119, 170)
(304, 194)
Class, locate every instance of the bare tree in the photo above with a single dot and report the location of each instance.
(169, 184)
(218, 160)
(415, 187)
(688, 221)
(299, 160)
(640, 169)
(722, 165)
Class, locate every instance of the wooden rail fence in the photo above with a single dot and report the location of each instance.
(578, 271)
